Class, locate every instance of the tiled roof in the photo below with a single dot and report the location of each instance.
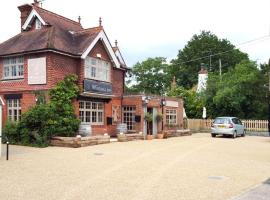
(61, 34)
(58, 20)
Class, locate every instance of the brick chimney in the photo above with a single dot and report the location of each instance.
(25, 11)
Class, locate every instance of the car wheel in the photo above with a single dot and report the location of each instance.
(244, 133)
(234, 135)
(213, 135)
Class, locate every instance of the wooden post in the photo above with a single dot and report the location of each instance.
(0, 129)
(1, 106)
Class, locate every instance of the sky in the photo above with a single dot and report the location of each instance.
(153, 28)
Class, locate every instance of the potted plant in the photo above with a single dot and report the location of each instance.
(159, 118)
(148, 118)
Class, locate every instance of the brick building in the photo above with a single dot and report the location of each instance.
(50, 47)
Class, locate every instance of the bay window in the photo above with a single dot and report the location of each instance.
(97, 69)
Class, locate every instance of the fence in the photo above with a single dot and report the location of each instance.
(205, 125)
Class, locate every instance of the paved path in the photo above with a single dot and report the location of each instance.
(193, 167)
(261, 192)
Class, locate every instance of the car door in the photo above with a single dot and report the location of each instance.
(241, 126)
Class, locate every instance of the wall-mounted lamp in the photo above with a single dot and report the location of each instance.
(98, 55)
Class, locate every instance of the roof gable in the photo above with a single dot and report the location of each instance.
(30, 19)
(102, 36)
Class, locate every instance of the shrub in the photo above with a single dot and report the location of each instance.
(43, 121)
(10, 132)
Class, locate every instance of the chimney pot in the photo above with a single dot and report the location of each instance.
(100, 22)
(36, 3)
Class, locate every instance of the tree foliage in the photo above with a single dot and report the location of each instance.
(207, 46)
(239, 92)
(43, 121)
(150, 76)
(193, 102)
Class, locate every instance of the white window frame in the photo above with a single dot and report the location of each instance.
(90, 110)
(14, 109)
(38, 24)
(13, 68)
(171, 116)
(129, 117)
(97, 69)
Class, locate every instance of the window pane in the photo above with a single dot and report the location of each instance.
(87, 105)
(93, 72)
(20, 70)
(6, 71)
(100, 117)
(81, 104)
(81, 115)
(87, 116)
(94, 116)
(13, 70)
(94, 105)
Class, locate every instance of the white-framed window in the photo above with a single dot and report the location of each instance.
(38, 24)
(171, 116)
(13, 68)
(14, 109)
(129, 117)
(97, 69)
(91, 112)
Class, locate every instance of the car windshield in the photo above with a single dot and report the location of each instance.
(222, 121)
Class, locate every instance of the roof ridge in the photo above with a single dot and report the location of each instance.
(57, 15)
(98, 28)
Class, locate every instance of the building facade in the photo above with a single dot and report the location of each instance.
(50, 47)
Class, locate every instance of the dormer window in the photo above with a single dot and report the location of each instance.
(38, 24)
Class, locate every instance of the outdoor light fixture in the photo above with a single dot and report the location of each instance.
(146, 100)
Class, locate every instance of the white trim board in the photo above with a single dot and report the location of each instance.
(105, 40)
(30, 18)
(2, 102)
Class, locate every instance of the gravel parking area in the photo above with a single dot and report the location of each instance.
(193, 167)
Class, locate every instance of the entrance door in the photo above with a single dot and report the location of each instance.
(150, 125)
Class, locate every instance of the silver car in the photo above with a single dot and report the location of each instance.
(228, 126)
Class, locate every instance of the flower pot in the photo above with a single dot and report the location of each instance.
(149, 137)
(121, 138)
(160, 136)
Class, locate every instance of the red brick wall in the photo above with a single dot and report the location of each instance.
(58, 66)
(137, 102)
(154, 103)
(118, 81)
(99, 48)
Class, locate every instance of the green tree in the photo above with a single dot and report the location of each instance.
(239, 92)
(188, 62)
(43, 121)
(193, 103)
(150, 76)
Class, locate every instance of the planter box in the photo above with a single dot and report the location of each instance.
(178, 133)
(76, 142)
(129, 137)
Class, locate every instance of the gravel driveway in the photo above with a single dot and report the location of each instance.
(193, 167)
